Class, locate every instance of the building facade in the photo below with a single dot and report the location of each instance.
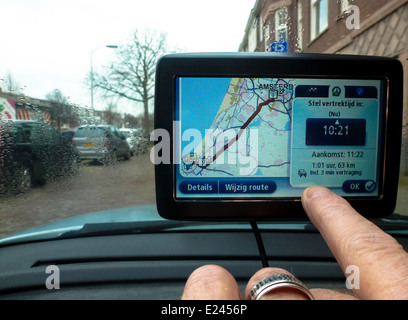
(60, 115)
(20, 107)
(364, 27)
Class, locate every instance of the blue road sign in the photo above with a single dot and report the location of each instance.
(279, 46)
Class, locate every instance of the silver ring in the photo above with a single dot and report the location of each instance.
(276, 281)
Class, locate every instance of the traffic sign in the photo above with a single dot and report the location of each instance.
(279, 46)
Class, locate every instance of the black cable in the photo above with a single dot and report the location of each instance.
(260, 244)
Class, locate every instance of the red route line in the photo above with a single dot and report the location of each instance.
(241, 131)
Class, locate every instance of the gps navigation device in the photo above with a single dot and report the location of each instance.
(240, 136)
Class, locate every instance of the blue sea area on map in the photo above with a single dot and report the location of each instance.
(256, 122)
(200, 99)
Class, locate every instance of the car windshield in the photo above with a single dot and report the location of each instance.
(69, 67)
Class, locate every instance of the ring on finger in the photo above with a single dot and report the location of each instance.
(278, 281)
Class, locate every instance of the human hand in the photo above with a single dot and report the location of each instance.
(353, 240)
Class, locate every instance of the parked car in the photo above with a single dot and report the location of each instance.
(104, 143)
(69, 135)
(130, 139)
(142, 142)
(32, 153)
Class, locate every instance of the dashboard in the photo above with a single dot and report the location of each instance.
(157, 265)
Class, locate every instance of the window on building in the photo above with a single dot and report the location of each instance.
(267, 30)
(319, 17)
(253, 37)
(345, 4)
(299, 25)
(281, 24)
(260, 29)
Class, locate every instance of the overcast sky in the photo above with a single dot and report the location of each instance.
(46, 44)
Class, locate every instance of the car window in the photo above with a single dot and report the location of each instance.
(127, 134)
(40, 134)
(89, 132)
(90, 71)
(17, 134)
(117, 132)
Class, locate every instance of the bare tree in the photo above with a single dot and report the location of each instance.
(111, 114)
(132, 75)
(130, 121)
(11, 85)
(60, 112)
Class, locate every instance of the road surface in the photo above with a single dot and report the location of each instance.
(95, 188)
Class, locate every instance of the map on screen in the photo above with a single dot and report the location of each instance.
(272, 137)
(252, 110)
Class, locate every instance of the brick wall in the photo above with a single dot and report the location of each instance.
(383, 32)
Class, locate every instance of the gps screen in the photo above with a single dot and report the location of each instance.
(265, 138)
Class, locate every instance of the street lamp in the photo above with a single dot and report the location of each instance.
(110, 46)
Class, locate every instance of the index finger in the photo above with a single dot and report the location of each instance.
(355, 241)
